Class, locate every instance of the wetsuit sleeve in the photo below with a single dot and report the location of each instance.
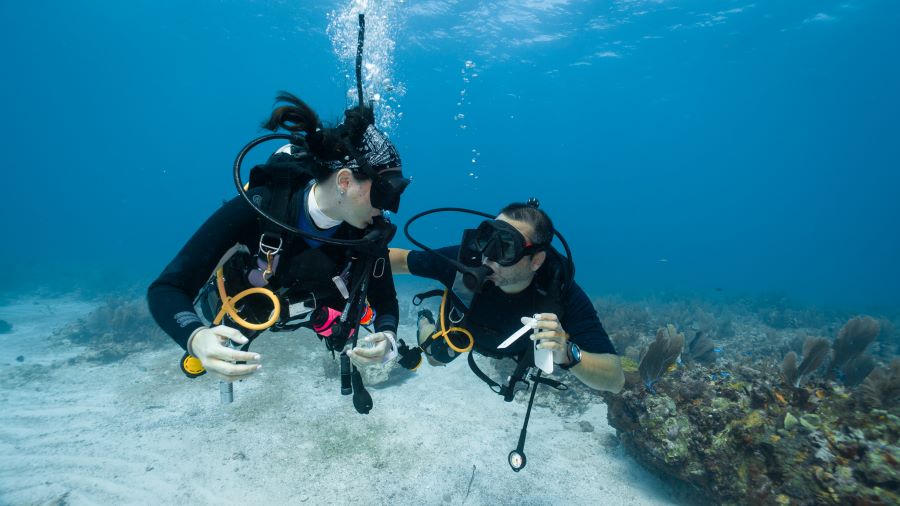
(171, 296)
(428, 265)
(383, 298)
(581, 322)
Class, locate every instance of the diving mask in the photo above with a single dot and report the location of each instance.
(500, 242)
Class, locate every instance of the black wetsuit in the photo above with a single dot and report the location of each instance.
(300, 270)
(494, 315)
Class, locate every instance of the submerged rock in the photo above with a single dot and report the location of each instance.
(810, 421)
(737, 441)
(790, 421)
(5, 327)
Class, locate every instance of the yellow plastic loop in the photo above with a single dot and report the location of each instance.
(445, 332)
(229, 302)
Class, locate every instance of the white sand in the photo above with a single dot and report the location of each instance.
(139, 432)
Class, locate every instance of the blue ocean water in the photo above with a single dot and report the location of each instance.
(696, 147)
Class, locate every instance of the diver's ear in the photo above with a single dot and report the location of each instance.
(342, 180)
(537, 260)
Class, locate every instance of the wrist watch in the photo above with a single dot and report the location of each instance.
(574, 353)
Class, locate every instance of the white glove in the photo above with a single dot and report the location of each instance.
(380, 348)
(211, 347)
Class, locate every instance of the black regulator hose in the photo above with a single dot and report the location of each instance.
(359, 57)
(455, 263)
(373, 238)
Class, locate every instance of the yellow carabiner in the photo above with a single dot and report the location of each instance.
(229, 302)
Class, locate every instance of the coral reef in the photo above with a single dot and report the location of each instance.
(751, 428)
(114, 331)
(5, 327)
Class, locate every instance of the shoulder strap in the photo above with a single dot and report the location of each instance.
(286, 173)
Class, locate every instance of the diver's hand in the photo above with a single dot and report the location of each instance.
(551, 335)
(210, 345)
(382, 347)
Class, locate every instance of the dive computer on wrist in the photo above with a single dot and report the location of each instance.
(574, 353)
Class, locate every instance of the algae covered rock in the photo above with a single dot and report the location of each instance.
(743, 440)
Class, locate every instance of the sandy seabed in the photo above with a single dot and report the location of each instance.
(138, 431)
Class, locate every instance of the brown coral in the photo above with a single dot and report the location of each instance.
(881, 389)
(857, 369)
(700, 349)
(815, 350)
(660, 355)
(852, 340)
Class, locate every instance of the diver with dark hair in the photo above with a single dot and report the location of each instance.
(303, 245)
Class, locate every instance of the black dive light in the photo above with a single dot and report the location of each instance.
(346, 385)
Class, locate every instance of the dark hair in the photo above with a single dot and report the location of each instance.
(537, 218)
(326, 144)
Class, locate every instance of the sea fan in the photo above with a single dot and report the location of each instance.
(815, 350)
(881, 389)
(852, 340)
(789, 369)
(660, 355)
(700, 349)
(856, 370)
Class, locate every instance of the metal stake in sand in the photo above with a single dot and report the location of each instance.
(226, 388)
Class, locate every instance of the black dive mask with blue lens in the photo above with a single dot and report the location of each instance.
(500, 242)
(386, 190)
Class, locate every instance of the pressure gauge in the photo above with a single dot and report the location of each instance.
(517, 460)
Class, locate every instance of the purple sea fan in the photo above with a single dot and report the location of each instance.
(660, 355)
(852, 340)
(881, 389)
(815, 350)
